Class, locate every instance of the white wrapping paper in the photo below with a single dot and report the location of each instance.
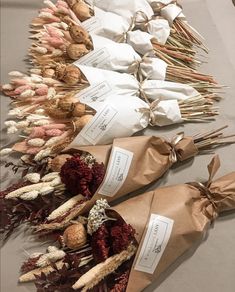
(153, 68)
(165, 90)
(117, 116)
(160, 29)
(104, 83)
(170, 12)
(109, 55)
(106, 24)
(141, 42)
(125, 8)
(122, 116)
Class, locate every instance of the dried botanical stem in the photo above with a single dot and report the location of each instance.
(213, 138)
(31, 276)
(100, 271)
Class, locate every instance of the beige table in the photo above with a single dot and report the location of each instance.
(212, 266)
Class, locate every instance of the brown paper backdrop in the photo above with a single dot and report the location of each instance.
(211, 267)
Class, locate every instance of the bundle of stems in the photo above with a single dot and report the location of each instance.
(197, 109)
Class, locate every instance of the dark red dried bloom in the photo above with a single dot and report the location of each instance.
(79, 178)
(100, 244)
(121, 236)
(29, 265)
(121, 282)
(98, 172)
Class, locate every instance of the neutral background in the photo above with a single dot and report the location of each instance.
(209, 268)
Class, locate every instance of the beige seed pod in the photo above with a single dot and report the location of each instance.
(79, 110)
(75, 236)
(76, 51)
(60, 71)
(56, 163)
(82, 10)
(81, 122)
(48, 73)
(80, 35)
(72, 75)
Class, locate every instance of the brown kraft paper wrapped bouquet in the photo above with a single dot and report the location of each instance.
(69, 184)
(156, 228)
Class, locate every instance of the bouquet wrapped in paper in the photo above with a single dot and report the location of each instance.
(67, 185)
(127, 247)
(53, 113)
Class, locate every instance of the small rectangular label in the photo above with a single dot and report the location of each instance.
(94, 58)
(117, 172)
(91, 24)
(94, 92)
(100, 124)
(155, 241)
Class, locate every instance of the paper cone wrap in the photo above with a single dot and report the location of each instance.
(192, 210)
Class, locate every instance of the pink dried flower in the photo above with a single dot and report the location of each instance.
(19, 81)
(54, 132)
(33, 150)
(21, 89)
(42, 91)
(37, 132)
(55, 41)
(54, 126)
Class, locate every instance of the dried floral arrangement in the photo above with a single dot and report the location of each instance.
(115, 249)
(96, 254)
(68, 42)
(69, 184)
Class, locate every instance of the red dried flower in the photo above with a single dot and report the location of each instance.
(121, 282)
(79, 178)
(121, 236)
(29, 265)
(100, 244)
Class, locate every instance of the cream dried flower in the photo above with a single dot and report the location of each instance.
(15, 74)
(10, 123)
(65, 207)
(91, 278)
(50, 176)
(22, 124)
(46, 190)
(30, 195)
(97, 216)
(7, 87)
(12, 130)
(37, 142)
(42, 154)
(30, 276)
(33, 177)
(5, 151)
(28, 93)
(51, 93)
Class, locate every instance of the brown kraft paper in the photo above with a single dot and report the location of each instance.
(192, 208)
(152, 157)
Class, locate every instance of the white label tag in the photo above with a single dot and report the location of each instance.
(94, 58)
(155, 241)
(94, 92)
(91, 24)
(99, 125)
(117, 172)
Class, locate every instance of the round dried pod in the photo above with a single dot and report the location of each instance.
(81, 122)
(82, 10)
(52, 110)
(60, 71)
(80, 35)
(71, 3)
(79, 110)
(72, 75)
(48, 73)
(76, 51)
(56, 163)
(75, 236)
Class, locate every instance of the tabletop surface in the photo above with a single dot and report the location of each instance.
(210, 267)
